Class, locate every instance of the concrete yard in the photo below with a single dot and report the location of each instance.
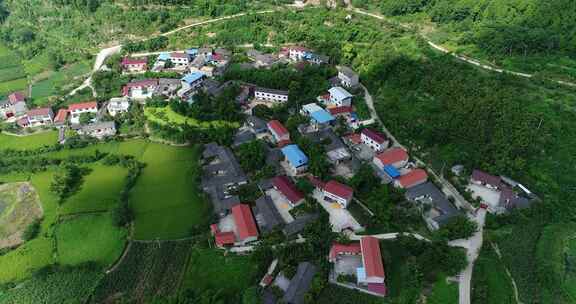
(281, 204)
(489, 196)
(348, 264)
(340, 218)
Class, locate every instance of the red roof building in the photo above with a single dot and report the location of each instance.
(375, 136)
(61, 116)
(134, 61)
(83, 106)
(412, 178)
(372, 260)
(340, 110)
(39, 112)
(16, 97)
(278, 130)
(486, 179)
(396, 157)
(338, 249)
(354, 138)
(288, 189)
(338, 192)
(247, 230)
(224, 239)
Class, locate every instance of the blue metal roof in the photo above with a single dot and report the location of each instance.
(322, 116)
(295, 156)
(391, 171)
(193, 77)
(164, 56)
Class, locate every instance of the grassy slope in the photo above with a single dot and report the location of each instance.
(237, 271)
(28, 142)
(89, 238)
(167, 115)
(13, 77)
(99, 192)
(490, 284)
(166, 202)
(444, 293)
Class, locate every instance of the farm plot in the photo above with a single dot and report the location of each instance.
(166, 115)
(44, 89)
(239, 273)
(12, 74)
(100, 190)
(19, 207)
(28, 142)
(149, 269)
(89, 238)
(166, 198)
(70, 285)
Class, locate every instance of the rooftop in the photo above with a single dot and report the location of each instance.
(300, 283)
(429, 191)
(371, 257)
(193, 77)
(244, 221)
(287, 188)
(277, 127)
(392, 156)
(339, 189)
(412, 178)
(82, 106)
(376, 136)
(295, 156)
(339, 93)
(269, 214)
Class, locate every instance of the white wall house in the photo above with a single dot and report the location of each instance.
(99, 130)
(179, 59)
(40, 117)
(297, 53)
(339, 97)
(77, 109)
(338, 192)
(141, 89)
(373, 139)
(118, 105)
(270, 95)
(348, 78)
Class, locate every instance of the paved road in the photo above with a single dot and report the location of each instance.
(473, 249)
(466, 59)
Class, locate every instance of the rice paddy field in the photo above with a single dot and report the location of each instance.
(34, 141)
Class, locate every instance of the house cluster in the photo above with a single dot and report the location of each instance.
(499, 193)
(360, 264)
(302, 54)
(206, 60)
(14, 106)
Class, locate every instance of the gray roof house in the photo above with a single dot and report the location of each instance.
(441, 208)
(336, 150)
(300, 283)
(267, 215)
(167, 87)
(99, 129)
(256, 124)
(299, 224)
(221, 174)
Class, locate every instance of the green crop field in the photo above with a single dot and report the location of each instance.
(100, 190)
(48, 87)
(166, 198)
(214, 268)
(166, 115)
(13, 85)
(444, 292)
(28, 142)
(89, 238)
(490, 283)
(12, 74)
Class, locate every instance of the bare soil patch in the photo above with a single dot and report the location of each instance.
(19, 207)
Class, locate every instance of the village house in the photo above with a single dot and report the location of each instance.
(61, 118)
(134, 65)
(296, 53)
(347, 77)
(271, 95)
(37, 117)
(297, 160)
(482, 178)
(179, 59)
(205, 52)
(14, 106)
(278, 131)
(77, 109)
(118, 105)
(339, 97)
(98, 130)
(245, 224)
(256, 124)
(167, 87)
(285, 186)
(317, 58)
(396, 157)
(336, 150)
(363, 260)
(319, 117)
(190, 83)
(222, 239)
(377, 141)
(337, 192)
(300, 284)
(140, 89)
(221, 175)
(413, 178)
(267, 215)
(439, 210)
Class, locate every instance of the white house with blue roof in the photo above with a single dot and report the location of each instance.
(297, 160)
(319, 117)
(339, 97)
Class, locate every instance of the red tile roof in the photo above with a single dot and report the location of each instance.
(371, 257)
(178, 55)
(392, 156)
(277, 127)
(61, 116)
(82, 106)
(287, 188)
(379, 288)
(244, 221)
(225, 238)
(16, 97)
(486, 178)
(316, 182)
(339, 189)
(39, 111)
(130, 60)
(374, 135)
(354, 138)
(337, 249)
(143, 83)
(340, 110)
(413, 178)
